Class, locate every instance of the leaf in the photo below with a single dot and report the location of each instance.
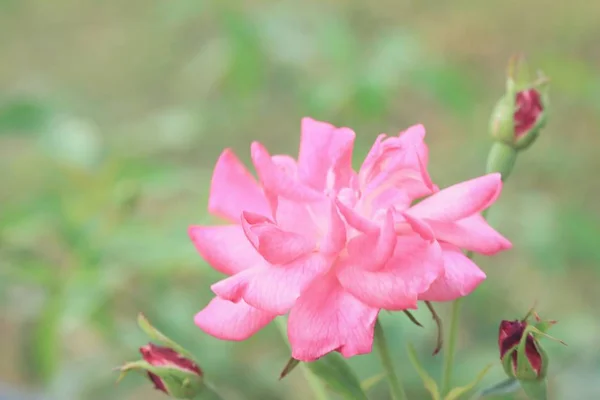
(459, 391)
(428, 381)
(340, 378)
(507, 386)
(155, 334)
(23, 116)
(372, 381)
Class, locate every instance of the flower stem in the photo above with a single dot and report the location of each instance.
(396, 388)
(453, 335)
(320, 393)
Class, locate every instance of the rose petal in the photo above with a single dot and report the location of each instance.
(273, 289)
(335, 238)
(327, 318)
(461, 200)
(274, 244)
(233, 189)
(225, 248)
(410, 271)
(231, 321)
(472, 233)
(460, 277)
(276, 181)
(324, 148)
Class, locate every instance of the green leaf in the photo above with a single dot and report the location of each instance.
(507, 386)
(459, 391)
(155, 334)
(428, 381)
(372, 381)
(340, 378)
(23, 116)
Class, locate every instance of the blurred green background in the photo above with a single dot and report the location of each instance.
(112, 115)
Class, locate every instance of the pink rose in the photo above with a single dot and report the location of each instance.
(332, 247)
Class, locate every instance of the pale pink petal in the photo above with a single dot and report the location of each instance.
(225, 248)
(274, 244)
(231, 321)
(472, 233)
(297, 216)
(276, 181)
(461, 276)
(372, 250)
(335, 238)
(414, 136)
(326, 318)
(273, 289)
(324, 147)
(461, 200)
(355, 220)
(420, 227)
(413, 267)
(233, 189)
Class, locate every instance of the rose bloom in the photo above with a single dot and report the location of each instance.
(332, 246)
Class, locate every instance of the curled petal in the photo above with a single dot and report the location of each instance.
(225, 248)
(324, 149)
(326, 318)
(460, 277)
(371, 251)
(274, 244)
(413, 267)
(461, 200)
(355, 220)
(226, 320)
(276, 181)
(273, 289)
(472, 233)
(233, 189)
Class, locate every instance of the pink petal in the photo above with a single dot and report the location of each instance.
(472, 233)
(225, 248)
(355, 220)
(410, 271)
(335, 238)
(461, 200)
(231, 321)
(461, 276)
(373, 250)
(326, 318)
(273, 289)
(298, 217)
(323, 147)
(233, 189)
(274, 244)
(276, 181)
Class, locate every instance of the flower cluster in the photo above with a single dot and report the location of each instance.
(333, 246)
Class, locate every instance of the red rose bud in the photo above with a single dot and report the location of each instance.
(170, 367)
(518, 117)
(524, 362)
(164, 357)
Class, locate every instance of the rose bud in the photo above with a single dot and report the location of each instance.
(521, 354)
(533, 362)
(518, 117)
(169, 366)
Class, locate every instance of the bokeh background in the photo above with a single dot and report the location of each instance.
(113, 113)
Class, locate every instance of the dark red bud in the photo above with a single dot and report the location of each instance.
(528, 107)
(509, 337)
(164, 356)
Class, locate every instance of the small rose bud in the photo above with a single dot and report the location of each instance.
(169, 366)
(535, 360)
(171, 373)
(518, 117)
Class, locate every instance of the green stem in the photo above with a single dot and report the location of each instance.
(396, 388)
(313, 381)
(453, 335)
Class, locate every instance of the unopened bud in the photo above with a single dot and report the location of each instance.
(518, 116)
